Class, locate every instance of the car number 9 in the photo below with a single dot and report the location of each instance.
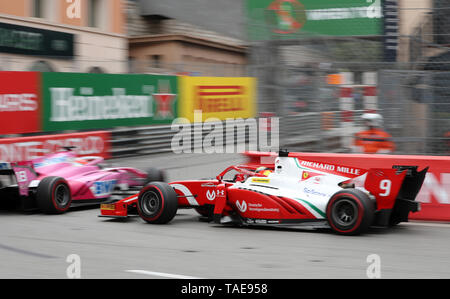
(385, 185)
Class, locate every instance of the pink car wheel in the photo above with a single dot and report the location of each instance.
(53, 195)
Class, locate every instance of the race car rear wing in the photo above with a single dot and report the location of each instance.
(23, 172)
(5, 168)
(404, 197)
(413, 181)
(405, 202)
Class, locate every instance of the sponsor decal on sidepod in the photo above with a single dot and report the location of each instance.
(103, 188)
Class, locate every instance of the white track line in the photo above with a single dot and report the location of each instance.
(167, 275)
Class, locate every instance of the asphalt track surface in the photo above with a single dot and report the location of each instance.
(38, 246)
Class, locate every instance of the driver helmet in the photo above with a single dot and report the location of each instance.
(263, 170)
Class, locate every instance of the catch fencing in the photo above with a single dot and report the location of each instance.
(398, 67)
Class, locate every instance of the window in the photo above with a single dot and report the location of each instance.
(38, 9)
(131, 64)
(96, 70)
(441, 22)
(155, 61)
(41, 66)
(43, 9)
(94, 13)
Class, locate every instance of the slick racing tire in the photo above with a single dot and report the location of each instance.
(350, 212)
(53, 195)
(154, 175)
(157, 203)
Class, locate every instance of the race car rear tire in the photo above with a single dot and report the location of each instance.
(157, 203)
(350, 212)
(154, 175)
(53, 195)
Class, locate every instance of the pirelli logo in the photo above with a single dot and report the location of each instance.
(220, 98)
(217, 97)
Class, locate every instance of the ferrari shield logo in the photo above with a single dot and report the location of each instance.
(307, 175)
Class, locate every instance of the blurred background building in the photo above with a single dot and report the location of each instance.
(200, 38)
(63, 36)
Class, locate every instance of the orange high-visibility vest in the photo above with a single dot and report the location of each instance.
(374, 140)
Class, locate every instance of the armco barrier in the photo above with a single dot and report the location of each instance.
(158, 139)
(28, 148)
(140, 141)
(435, 192)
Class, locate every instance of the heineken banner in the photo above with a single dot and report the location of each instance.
(75, 101)
(287, 19)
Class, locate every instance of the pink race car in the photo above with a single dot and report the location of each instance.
(56, 182)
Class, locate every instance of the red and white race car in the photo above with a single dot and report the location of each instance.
(294, 192)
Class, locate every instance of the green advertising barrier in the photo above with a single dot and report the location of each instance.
(290, 19)
(76, 101)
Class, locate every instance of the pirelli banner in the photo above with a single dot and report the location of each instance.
(75, 101)
(217, 98)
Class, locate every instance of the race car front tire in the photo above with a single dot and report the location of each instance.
(350, 212)
(157, 203)
(53, 195)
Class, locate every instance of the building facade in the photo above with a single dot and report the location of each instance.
(63, 36)
(163, 41)
(423, 30)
